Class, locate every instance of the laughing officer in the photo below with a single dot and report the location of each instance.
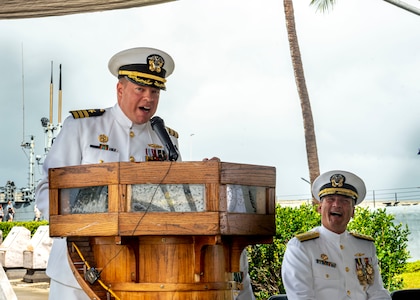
(329, 262)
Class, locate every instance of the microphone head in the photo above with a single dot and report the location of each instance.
(158, 125)
(156, 120)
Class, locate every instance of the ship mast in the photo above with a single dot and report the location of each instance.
(60, 103)
(28, 194)
(52, 130)
(50, 126)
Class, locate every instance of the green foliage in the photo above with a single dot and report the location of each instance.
(413, 267)
(412, 275)
(32, 226)
(265, 260)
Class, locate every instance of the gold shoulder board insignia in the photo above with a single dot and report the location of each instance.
(306, 236)
(362, 236)
(86, 113)
(172, 132)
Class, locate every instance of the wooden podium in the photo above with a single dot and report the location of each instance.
(161, 230)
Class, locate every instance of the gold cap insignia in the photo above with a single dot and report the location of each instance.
(155, 62)
(337, 180)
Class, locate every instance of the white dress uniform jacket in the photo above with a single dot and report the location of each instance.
(326, 266)
(77, 144)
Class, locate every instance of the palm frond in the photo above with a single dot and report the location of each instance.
(323, 5)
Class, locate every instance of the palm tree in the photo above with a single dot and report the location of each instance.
(308, 122)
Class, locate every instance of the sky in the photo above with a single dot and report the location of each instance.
(232, 94)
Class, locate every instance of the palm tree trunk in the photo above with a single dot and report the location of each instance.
(308, 123)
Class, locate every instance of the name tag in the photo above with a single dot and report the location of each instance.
(326, 263)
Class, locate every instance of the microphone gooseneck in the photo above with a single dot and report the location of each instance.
(158, 126)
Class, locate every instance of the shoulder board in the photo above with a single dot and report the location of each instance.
(309, 235)
(172, 132)
(362, 236)
(86, 113)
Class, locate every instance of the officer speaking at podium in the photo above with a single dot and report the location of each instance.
(120, 133)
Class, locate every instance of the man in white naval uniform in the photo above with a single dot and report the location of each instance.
(119, 133)
(329, 262)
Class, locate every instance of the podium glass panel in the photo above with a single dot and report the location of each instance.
(84, 200)
(246, 199)
(167, 197)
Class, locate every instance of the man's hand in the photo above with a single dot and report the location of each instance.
(213, 158)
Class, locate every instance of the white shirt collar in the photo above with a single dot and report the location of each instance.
(335, 237)
(123, 120)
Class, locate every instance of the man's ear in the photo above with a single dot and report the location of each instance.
(318, 206)
(120, 87)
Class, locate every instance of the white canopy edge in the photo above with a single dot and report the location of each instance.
(20, 9)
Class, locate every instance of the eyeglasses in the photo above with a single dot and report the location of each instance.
(344, 201)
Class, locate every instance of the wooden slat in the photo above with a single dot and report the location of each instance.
(172, 256)
(166, 287)
(212, 197)
(124, 198)
(247, 224)
(83, 176)
(220, 196)
(173, 223)
(114, 262)
(53, 199)
(179, 295)
(247, 175)
(271, 201)
(98, 224)
(262, 201)
(113, 198)
(169, 172)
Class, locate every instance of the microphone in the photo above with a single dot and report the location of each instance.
(158, 126)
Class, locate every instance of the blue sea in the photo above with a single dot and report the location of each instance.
(410, 215)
